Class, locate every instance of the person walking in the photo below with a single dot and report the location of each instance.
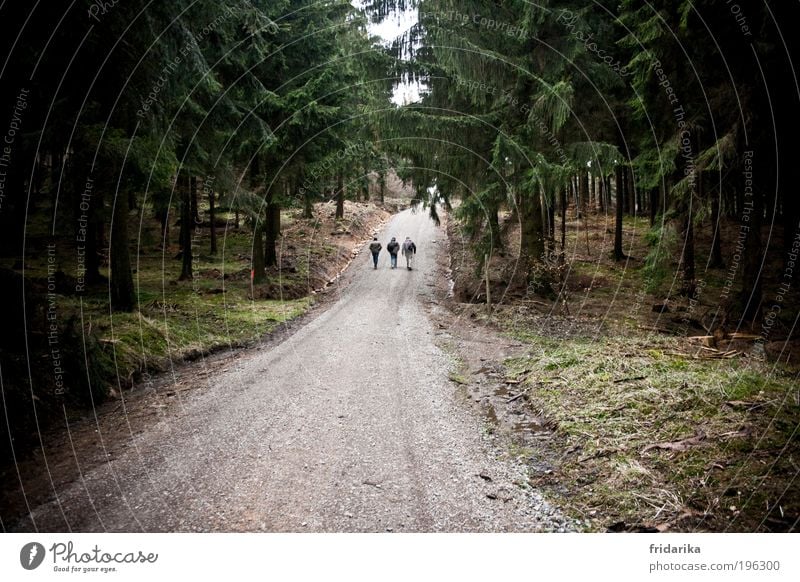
(375, 248)
(393, 247)
(409, 250)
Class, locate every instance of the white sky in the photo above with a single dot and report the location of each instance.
(389, 29)
(395, 25)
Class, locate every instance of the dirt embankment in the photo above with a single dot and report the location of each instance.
(312, 253)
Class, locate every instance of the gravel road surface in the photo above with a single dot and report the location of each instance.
(350, 424)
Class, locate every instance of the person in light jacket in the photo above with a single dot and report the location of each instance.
(409, 250)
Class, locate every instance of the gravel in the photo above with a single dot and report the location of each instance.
(350, 424)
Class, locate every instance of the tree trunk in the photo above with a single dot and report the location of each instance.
(547, 223)
(532, 228)
(687, 254)
(259, 276)
(570, 192)
(57, 161)
(365, 183)
(716, 261)
(123, 297)
(583, 188)
(184, 201)
(563, 195)
(212, 216)
(101, 236)
(640, 197)
(382, 179)
(163, 219)
(752, 209)
(186, 231)
(791, 220)
(308, 205)
(494, 226)
(575, 196)
(92, 274)
(195, 209)
(739, 202)
(653, 205)
(601, 194)
(630, 191)
(618, 254)
(339, 196)
(272, 229)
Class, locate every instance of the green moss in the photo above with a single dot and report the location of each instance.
(615, 397)
(745, 385)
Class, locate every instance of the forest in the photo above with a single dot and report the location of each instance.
(180, 179)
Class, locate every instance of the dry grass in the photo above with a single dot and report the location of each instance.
(646, 436)
(599, 366)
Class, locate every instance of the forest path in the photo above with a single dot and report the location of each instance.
(350, 424)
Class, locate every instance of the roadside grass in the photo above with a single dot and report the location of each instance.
(458, 370)
(187, 320)
(649, 436)
(180, 320)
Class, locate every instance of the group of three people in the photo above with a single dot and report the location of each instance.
(409, 250)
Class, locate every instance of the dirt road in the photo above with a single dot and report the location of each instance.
(351, 424)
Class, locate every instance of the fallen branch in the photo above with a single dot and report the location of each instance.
(743, 432)
(743, 336)
(522, 376)
(653, 328)
(631, 379)
(739, 403)
(597, 455)
(717, 355)
(728, 336)
(682, 445)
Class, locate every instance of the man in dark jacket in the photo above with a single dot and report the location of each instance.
(375, 248)
(393, 247)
